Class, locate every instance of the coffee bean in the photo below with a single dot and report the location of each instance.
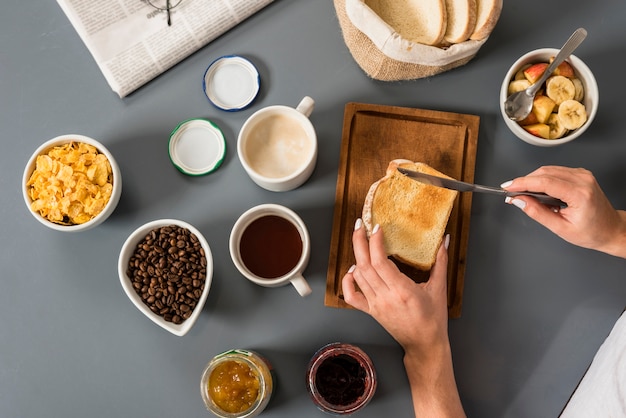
(168, 272)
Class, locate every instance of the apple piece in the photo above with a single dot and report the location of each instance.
(542, 107)
(541, 130)
(534, 72)
(565, 69)
(531, 119)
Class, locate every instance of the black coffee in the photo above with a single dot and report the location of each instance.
(270, 246)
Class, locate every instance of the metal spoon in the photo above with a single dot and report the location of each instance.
(518, 105)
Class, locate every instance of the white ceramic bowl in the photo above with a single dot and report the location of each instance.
(128, 249)
(115, 195)
(590, 100)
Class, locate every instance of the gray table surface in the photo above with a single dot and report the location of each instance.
(535, 308)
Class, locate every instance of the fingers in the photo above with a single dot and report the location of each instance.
(535, 210)
(552, 186)
(366, 280)
(360, 244)
(560, 182)
(350, 293)
(365, 275)
(379, 260)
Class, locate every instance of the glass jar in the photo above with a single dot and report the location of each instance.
(237, 384)
(341, 379)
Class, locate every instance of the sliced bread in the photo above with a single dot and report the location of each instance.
(422, 21)
(413, 215)
(461, 20)
(488, 13)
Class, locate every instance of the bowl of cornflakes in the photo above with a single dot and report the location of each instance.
(71, 183)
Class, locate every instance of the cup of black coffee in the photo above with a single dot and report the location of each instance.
(270, 245)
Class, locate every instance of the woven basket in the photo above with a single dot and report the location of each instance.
(384, 55)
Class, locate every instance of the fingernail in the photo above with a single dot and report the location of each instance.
(376, 228)
(358, 224)
(508, 199)
(352, 268)
(446, 241)
(519, 203)
(506, 184)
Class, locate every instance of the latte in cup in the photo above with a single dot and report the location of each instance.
(278, 146)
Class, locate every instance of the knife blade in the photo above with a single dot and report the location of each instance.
(462, 186)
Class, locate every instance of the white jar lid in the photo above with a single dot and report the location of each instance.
(197, 147)
(231, 82)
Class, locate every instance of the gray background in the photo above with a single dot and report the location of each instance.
(535, 308)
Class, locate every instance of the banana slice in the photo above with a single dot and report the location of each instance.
(579, 95)
(560, 89)
(518, 85)
(572, 114)
(557, 130)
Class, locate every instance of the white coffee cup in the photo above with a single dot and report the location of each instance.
(270, 245)
(277, 146)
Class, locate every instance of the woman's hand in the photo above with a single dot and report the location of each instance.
(416, 316)
(589, 220)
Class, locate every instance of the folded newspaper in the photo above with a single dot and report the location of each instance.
(133, 41)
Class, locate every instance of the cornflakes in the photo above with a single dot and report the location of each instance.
(71, 183)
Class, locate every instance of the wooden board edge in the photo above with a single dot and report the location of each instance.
(331, 296)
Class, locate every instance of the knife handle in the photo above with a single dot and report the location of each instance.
(541, 197)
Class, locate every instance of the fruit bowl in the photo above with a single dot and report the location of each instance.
(527, 68)
(67, 185)
(165, 268)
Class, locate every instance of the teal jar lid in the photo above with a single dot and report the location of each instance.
(197, 147)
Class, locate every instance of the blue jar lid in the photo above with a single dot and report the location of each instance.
(231, 83)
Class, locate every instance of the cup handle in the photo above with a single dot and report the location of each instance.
(306, 106)
(301, 285)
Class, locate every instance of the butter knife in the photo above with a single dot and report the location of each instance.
(468, 187)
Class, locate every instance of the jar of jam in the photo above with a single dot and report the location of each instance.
(237, 384)
(341, 379)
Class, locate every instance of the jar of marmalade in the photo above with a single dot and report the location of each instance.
(341, 379)
(237, 384)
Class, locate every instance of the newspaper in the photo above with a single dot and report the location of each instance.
(132, 41)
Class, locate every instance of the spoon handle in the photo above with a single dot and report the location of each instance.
(570, 45)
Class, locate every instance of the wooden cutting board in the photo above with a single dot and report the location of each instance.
(373, 135)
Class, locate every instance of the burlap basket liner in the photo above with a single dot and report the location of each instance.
(384, 55)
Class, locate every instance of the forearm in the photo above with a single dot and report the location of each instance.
(433, 386)
(617, 244)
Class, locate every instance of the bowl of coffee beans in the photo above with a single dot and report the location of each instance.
(165, 267)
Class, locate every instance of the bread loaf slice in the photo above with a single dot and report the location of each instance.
(413, 215)
(461, 20)
(422, 21)
(488, 13)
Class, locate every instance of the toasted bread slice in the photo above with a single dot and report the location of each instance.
(461, 17)
(488, 13)
(412, 215)
(421, 21)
